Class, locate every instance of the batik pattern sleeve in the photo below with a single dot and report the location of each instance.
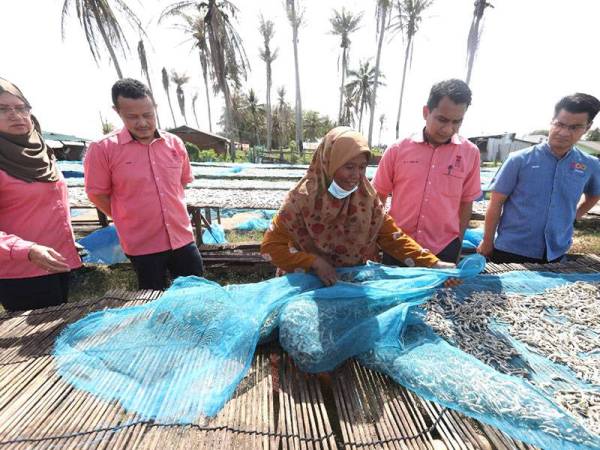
(277, 247)
(401, 246)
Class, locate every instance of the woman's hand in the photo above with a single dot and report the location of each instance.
(450, 282)
(48, 259)
(325, 271)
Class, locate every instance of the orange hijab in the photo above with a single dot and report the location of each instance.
(344, 232)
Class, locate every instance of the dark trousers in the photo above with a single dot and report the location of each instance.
(152, 270)
(502, 257)
(450, 254)
(18, 294)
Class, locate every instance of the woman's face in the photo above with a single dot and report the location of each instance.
(15, 115)
(350, 174)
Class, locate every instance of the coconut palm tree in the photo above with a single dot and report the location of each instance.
(194, 100)
(475, 34)
(98, 17)
(145, 71)
(361, 86)
(268, 56)
(342, 24)
(383, 15)
(407, 21)
(228, 59)
(255, 110)
(165, 82)
(180, 80)
(193, 26)
(295, 18)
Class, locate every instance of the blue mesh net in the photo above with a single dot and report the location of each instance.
(179, 359)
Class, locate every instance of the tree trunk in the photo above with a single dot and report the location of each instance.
(471, 56)
(171, 108)
(195, 115)
(107, 42)
(406, 53)
(153, 100)
(299, 126)
(205, 76)
(269, 116)
(376, 81)
(362, 108)
(344, 63)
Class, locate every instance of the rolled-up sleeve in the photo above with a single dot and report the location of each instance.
(13, 248)
(97, 175)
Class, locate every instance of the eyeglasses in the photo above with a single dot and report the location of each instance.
(570, 128)
(23, 111)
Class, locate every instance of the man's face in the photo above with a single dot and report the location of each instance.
(443, 121)
(567, 129)
(138, 116)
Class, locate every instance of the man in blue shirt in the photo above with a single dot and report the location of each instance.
(536, 193)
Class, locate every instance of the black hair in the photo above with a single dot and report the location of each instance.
(579, 103)
(456, 90)
(129, 88)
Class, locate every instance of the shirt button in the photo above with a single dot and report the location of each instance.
(429, 182)
(433, 166)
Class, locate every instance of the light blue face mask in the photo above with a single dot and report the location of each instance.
(338, 192)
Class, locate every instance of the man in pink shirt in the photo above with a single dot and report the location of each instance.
(433, 176)
(137, 176)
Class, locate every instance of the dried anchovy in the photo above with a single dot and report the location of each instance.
(562, 324)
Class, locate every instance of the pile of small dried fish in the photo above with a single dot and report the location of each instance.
(562, 324)
(582, 403)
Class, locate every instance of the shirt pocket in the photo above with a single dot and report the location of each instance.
(450, 184)
(575, 184)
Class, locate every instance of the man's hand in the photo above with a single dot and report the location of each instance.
(325, 271)
(485, 248)
(48, 259)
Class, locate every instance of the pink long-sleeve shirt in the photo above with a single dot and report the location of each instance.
(146, 188)
(33, 213)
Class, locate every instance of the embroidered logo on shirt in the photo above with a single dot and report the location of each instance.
(410, 161)
(458, 163)
(578, 166)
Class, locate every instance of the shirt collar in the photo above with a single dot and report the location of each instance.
(546, 147)
(125, 137)
(419, 138)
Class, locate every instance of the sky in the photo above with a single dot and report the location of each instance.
(532, 52)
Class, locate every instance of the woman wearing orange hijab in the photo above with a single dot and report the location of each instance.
(334, 218)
